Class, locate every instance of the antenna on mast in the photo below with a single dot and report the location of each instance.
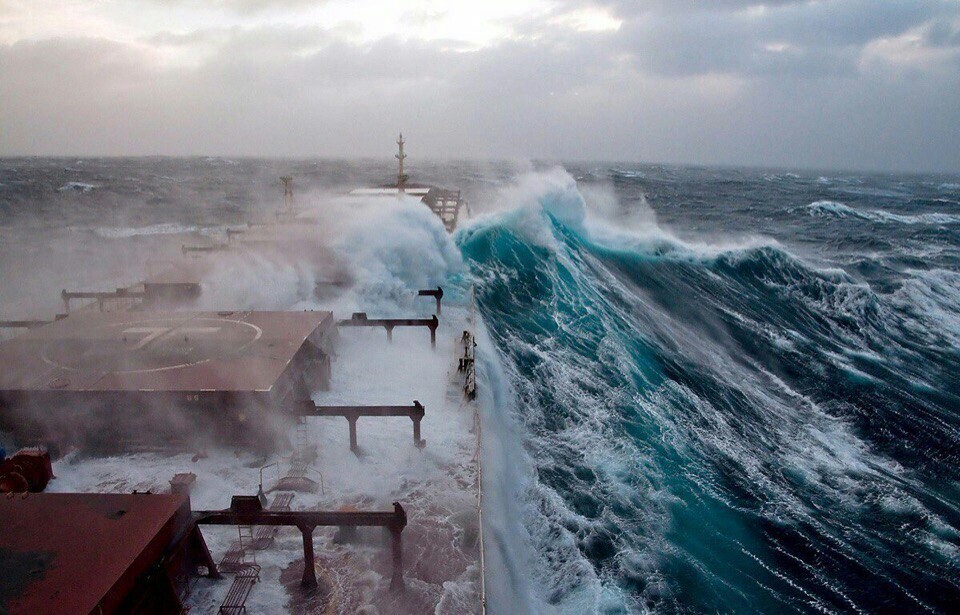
(287, 192)
(401, 178)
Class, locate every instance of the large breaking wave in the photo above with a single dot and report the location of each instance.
(705, 427)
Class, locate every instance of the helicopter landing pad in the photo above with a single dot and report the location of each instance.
(156, 351)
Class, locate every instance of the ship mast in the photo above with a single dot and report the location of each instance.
(401, 178)
(287, 192)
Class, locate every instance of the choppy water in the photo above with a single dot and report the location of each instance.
(762, 416)
(707, 390)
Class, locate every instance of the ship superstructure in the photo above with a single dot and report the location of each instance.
(445, 204)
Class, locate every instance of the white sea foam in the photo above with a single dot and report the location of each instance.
(629, 174)
(818, 208)
(841, 210)
(932, 298)
(508, 472)
(77, 187)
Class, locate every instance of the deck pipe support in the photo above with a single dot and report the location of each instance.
(359, 319)
(435, 293)
(248, 510)
(415, 412)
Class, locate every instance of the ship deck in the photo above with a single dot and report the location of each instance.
(437, 485)
(337, 458)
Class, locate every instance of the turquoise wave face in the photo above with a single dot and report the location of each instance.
(720, 429)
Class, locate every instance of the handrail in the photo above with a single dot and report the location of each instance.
(100, 296)
(478, 453)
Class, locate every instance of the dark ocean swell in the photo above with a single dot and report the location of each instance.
(720, 429)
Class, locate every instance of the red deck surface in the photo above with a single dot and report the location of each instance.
(155, 351)
(68, 553)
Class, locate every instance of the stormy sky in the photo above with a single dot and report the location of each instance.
(850, 84)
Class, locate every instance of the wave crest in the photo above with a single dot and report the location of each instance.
(840, 210)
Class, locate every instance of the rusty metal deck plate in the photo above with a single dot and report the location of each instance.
(156, 351)
(65, 552)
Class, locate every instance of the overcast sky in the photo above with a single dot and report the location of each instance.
(869, 84)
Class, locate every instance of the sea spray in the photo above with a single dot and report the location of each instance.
(698, 427)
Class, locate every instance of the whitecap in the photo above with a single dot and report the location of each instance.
(841, 210)
(832, 208)
(77, 187)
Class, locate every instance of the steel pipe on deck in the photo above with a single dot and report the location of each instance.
(29, 323)
(23, 324)
(415, 412)
(435, 293)
(360, 319)
(214, 248)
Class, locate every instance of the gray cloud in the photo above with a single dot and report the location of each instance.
(811, 38)
(248, 6)
(800, 83)
(942, 34)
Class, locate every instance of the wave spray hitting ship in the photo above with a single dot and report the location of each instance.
(222, 448)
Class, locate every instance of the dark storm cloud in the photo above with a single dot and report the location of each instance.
(942, 34)
(831, 83)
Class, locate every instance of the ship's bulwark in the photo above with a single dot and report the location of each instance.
(760, 416)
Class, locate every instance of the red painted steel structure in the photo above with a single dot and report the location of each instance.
(80, 553)
(28, 470)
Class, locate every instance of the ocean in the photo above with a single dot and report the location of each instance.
(703, 389)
